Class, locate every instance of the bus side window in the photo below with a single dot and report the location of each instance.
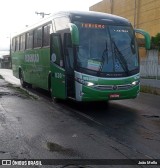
(29, 40)
(17, 44)
(13, 44)
(37, 36)
(46, 35)
(22, 42)
(56, 49)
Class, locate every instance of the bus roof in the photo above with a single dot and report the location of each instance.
(97, 17)
(88, 16)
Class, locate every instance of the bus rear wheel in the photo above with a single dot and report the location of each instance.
(21, 77)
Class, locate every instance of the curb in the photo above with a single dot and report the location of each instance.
(150, 89)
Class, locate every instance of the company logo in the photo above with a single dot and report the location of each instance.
(6, 162)
(31, 58)
(115, 87)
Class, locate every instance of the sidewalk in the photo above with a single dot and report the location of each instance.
(150, 85)
(7, 74)
(151, 82)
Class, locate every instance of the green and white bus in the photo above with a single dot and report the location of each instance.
(85, 56)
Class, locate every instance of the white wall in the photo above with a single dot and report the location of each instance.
(150, 66)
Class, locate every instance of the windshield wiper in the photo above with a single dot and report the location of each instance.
(104, 55)
(121, 59)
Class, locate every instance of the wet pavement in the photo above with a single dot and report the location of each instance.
(34, 127)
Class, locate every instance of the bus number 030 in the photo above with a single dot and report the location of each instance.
(58, 75)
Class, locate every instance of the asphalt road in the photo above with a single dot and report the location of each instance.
(34, 127)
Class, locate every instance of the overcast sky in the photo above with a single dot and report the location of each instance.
(16, 14)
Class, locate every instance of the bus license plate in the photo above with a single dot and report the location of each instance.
(114, 96)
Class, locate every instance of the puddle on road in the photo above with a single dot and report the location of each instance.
(154, 121)
(4, 93)
(3, 152)
(150, 136)
(151, 116)
(5, 90)
(53, 147)
(147, 135)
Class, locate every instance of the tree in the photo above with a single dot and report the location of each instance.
(155, 42)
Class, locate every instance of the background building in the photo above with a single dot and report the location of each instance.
(5, 59)
(5, 62)
(143, 14)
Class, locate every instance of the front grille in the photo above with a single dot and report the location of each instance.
(113, 87)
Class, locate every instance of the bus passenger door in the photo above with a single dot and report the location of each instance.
(69, 65)
(58, 81)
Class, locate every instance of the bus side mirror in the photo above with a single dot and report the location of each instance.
(133, 47)
(74, 34)
(146, 37)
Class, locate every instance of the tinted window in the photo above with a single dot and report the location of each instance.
(46, 35)
(22, 42)
(17, 43)
(38, 37)
(13, 44)
(56, 50)
(29, 40)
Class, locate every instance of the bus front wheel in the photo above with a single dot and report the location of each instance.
(56, 100)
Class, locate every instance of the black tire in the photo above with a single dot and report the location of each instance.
(56, 100)
(49, 84)
(21, 77)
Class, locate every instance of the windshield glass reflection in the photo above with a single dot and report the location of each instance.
(107, 49)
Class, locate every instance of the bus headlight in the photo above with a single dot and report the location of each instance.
(83, 82)
(135, 83)
(90, 84)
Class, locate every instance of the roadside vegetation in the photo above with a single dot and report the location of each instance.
(149, 89)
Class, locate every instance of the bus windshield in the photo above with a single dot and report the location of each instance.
(107, 49)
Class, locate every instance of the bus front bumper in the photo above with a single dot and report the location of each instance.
(92, 94)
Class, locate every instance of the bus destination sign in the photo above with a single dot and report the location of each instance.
(92, 25)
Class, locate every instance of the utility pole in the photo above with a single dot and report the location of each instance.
(42, 14)
(111, 3)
